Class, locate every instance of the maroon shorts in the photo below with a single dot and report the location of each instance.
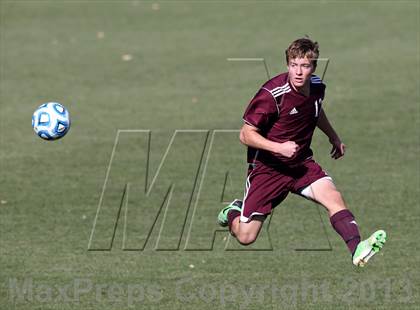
(267, 186)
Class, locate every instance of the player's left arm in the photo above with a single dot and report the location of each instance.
(338, 147)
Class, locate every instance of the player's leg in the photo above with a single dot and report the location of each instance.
(323, 191)
(245, 232)
(264, 188)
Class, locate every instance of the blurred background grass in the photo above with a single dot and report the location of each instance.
(177, 77)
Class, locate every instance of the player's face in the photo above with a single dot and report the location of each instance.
(300, 70)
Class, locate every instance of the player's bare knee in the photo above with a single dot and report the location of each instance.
(246, 238)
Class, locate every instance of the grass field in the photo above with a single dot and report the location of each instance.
(163, 66)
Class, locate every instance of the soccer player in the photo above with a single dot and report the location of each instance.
(278, 126)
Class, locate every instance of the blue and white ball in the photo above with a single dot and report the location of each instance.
(51, 121)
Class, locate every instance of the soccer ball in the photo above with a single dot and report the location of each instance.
(51, 121)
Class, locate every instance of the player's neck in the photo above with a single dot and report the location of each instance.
(304, 90)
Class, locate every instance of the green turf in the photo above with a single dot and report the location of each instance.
(179, 78)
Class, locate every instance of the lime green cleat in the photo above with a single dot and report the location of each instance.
(222, 218)
(369, 247)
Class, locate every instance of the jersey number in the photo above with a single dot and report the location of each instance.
(317, 106)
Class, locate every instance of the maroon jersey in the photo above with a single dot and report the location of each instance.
(282, 114)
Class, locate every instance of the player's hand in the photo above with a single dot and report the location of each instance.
(287, 149)
(338, 149)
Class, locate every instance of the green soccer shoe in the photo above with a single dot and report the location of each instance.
(222, 218)
(369, 247)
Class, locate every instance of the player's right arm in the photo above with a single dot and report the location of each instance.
(250, 136)
(259, 117)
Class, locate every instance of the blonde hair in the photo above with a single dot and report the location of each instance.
(301, 48)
